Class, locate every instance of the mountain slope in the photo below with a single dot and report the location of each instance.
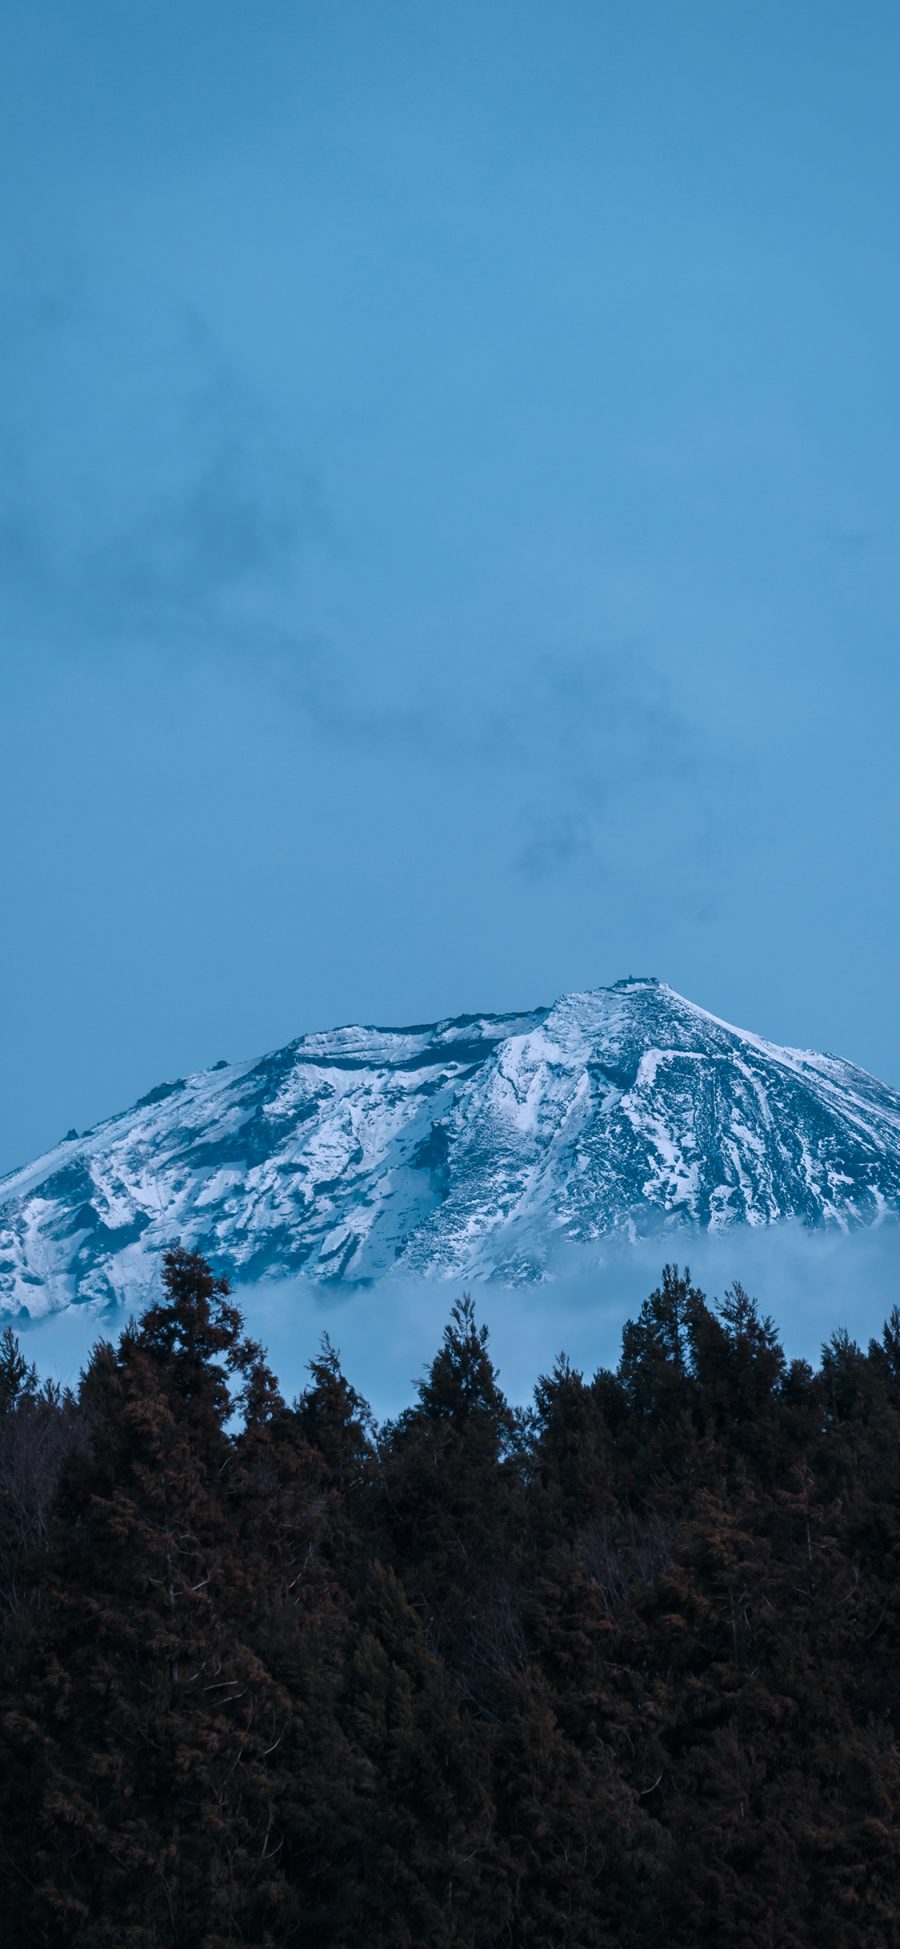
(469, 1146)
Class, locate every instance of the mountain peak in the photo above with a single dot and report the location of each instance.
(473, 1146)
(633, 981)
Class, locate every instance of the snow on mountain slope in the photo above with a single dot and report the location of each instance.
(472, 1146)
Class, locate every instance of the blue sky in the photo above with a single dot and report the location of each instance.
(448, 523)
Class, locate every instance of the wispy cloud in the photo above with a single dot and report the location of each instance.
(556, 839)
(611, 750)
(155, 507)
(150, 499)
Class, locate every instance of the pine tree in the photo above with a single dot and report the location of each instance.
(18, 1376)
(574, 1461)
(421, 1858)
(142, 1801)
(40, 1429)
(581, 1858)
(655, 1367)
(451, 1504)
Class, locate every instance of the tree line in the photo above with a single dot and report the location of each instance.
(617, 1670)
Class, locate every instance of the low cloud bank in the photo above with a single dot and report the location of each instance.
(811, 1282)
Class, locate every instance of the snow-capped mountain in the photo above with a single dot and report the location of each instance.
(472, 1146)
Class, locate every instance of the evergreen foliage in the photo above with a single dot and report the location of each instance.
(616, 1672)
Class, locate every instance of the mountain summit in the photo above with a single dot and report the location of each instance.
(473, 1146)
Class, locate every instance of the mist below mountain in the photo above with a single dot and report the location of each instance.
(812, 1282)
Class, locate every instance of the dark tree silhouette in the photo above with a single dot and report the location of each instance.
(617, 1671)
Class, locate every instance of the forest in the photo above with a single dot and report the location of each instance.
(618, 1669)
